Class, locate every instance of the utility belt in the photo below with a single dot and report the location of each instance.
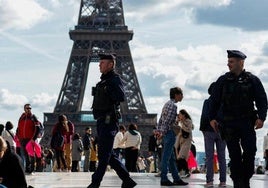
(228, 133)
(251, 115)
(109, 117)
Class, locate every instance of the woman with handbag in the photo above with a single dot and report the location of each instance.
(184, 141)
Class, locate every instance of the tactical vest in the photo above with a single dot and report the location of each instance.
(237, 96)
(102, 101)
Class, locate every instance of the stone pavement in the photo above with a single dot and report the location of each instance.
(144, 180)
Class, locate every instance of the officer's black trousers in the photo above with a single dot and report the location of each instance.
(106, 134)
(241, 144)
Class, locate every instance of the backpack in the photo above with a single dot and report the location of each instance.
(40, 128)
(57, 140)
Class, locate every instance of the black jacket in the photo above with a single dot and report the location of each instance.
(11, 171)
(152, 144)
(204, 120)
(257, 91)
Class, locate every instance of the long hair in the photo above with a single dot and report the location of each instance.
(185, 113)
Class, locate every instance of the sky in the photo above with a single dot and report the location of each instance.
(176, 43)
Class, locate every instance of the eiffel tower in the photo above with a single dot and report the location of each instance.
(101, 28)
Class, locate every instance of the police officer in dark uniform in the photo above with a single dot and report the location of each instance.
(108, 94)
(241, 98)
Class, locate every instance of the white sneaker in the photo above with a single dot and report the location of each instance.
(266, 172)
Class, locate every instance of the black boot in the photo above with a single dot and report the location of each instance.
(130, 183)
(94, 185)
(246, 183)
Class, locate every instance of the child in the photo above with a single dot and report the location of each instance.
(48, 154)
(77, 149)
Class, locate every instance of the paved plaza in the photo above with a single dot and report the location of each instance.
(144, 180)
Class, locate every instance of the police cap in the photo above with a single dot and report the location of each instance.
(236, 54)
(108, 56)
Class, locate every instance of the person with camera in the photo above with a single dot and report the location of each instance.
(184, 141)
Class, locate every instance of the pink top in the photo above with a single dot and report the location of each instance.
(33, 149)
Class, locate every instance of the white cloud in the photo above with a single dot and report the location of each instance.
(11, 105)
(11, 101)
(44, 100)
(158, 8)
(22, 14)
(55, 3)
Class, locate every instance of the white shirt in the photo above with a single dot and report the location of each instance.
(265, 143)
(132, 140)
(117, 140)
(9, 138)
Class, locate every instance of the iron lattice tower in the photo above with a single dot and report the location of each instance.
(101, 28)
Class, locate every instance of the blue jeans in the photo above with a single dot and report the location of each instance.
(210, 139)
(168, 158)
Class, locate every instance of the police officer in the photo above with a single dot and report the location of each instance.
(108, 94)
(241, 98)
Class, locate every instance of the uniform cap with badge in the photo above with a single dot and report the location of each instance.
(236, 54)
(109, 56)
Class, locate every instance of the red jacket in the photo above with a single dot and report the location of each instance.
(27, 126)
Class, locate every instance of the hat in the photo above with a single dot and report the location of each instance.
(108, 56)
(236, 54)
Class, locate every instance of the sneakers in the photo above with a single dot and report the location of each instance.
(209, 184)
(222, 184)
(180, 182)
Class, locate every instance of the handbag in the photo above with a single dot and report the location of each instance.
(185, 134)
